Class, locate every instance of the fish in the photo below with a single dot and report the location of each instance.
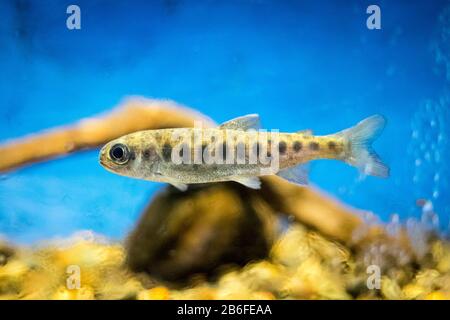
(239, 150)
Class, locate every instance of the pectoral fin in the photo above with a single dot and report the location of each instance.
(297, 174)
(250, 121)
(179, 186)
(249, 182)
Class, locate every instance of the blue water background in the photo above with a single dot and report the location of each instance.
(299, 64)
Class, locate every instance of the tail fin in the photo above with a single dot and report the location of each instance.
(361, 154)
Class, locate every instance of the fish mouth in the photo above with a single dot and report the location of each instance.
(103, 162)
(102, 157)
(106, 166)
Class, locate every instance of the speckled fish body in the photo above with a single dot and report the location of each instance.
(236, 151)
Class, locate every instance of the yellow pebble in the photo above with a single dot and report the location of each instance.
(84, 293)
(413, 291)
(157, 293)
(437, 295)
(263, 295)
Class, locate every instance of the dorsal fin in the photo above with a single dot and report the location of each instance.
(250, 121)
(306, 132)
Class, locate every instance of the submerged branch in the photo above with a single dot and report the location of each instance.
(134, 114)
(311, 207)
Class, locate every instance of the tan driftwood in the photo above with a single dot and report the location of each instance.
(307, 205)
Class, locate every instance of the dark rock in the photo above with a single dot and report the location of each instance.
(208, 226)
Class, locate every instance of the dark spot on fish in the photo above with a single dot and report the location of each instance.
(282, 147)
(261, 149)
(181, 153)
(332, 145)
(132, 155)
(269, 148)
(206, 148)
(224, 150)
(297, 146)
(167, 152)
(257, 148)
(269, 144)
(240, 151)
(314, 146)
(148, 153)
(184, 147)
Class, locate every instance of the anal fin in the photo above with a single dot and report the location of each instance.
(297, 174)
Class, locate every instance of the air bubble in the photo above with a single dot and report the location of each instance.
(437, 156)
(393, 227)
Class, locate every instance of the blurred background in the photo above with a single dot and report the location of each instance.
(299, 64)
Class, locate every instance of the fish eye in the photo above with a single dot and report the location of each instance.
(119, 153)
